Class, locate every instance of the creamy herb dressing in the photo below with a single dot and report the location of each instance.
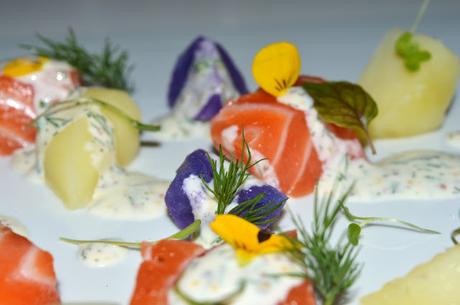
(453, 139)
(128, 195)
(217, 275)
(409, 175)
(101, 254)
(119, 194)
(175, 126)
(14, 225)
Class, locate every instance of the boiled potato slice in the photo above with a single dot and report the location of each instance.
(410, 103)
(435, 282)
(68, 167)
(126, 136)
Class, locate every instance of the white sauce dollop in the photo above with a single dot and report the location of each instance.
(217, 275)
(14, 225)
(101, 254)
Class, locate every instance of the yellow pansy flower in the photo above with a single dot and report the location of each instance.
(277, 67)
(23, 66)
(246, 238)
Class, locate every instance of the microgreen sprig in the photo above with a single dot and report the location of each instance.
(358, 222)
(410, 51)
(84, 101)
(109, 69)
(190, 230)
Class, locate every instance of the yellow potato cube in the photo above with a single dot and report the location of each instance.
(434, 282)
(410, 103)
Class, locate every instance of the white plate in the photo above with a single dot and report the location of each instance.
(335, 38)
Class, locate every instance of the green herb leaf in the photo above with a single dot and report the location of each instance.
(109, 69)
(346, 105)
(410, 51)
(354, 231)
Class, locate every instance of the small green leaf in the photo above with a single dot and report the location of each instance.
(354, 231)
(346, 105)
(410, 51)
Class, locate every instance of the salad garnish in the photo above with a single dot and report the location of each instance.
(346, 105)
(331, 265)
(277, 67)
(85, 101)
(410, 51)
(246, 238)
(109, 69)
(228, 178)
(185, 233)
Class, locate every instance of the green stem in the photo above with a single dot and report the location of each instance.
(70, 104)
(363, 221)
(182, 234)
(421, 13)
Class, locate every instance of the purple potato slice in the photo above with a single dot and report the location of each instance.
(211, 108)
(271, 205)
(177, 202)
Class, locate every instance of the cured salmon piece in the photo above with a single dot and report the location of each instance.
(303, 294)
(163, 263)
(277, 132)
(26, 272)
(274, 131)
(16, 115)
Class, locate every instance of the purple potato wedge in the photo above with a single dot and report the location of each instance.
(185, 63)
(177, 202)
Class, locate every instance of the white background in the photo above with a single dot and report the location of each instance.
(335, 39)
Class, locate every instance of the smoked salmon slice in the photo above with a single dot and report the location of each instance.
(162, 265)
(26, 272)
(16, 115)
(280, 134)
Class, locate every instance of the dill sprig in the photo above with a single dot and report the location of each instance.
(229, 176)
(109, 69)
(257, 215)
(332, 267)
(84, 101)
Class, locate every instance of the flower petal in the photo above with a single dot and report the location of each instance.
(236, 231)
(23, 66)
(277, 67)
